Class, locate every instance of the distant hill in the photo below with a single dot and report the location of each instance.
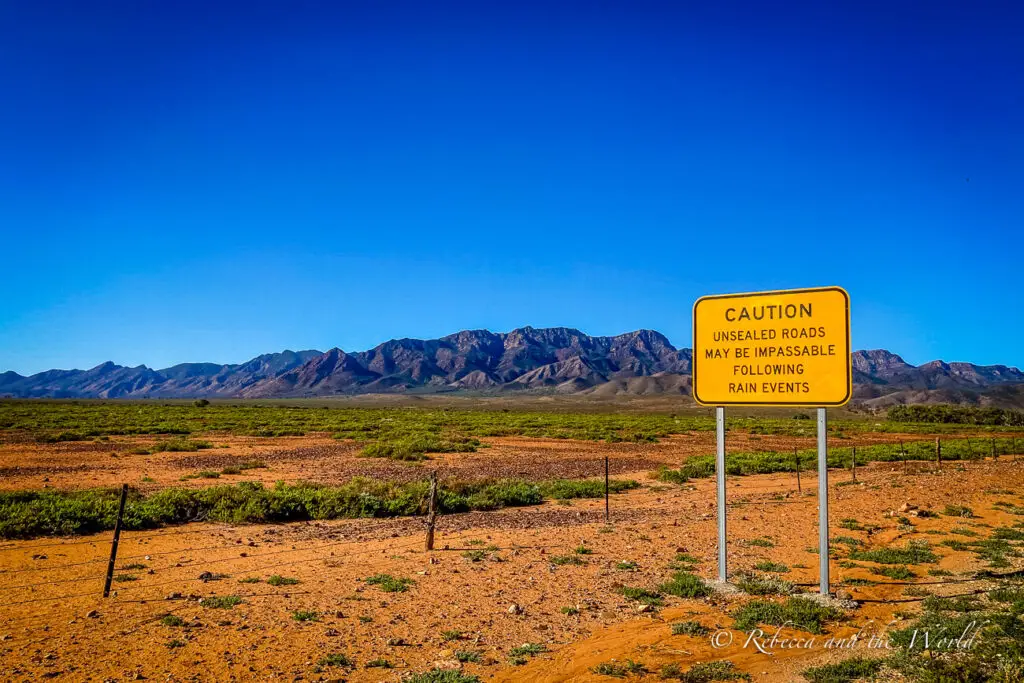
(555, 360)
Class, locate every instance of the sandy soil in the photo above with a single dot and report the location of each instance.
(53, 622)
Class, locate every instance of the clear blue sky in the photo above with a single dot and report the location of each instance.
(186, 181)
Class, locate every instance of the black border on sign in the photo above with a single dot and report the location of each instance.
(797, 404)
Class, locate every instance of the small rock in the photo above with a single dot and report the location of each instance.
(206, 576)
(643, 609)
(173, 596)
(447, 665)
(515, 609)
(92, 614)
(844, 595)
(907, 507)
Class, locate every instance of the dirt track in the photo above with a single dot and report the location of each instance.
(260, 639)
(74, 465)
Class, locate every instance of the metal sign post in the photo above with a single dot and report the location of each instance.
(822, 502)
(778, 348)
(720, 472)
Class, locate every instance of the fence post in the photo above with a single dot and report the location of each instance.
(799, 489)
(853, 460)
(606, 506)
(115, 541)
(432, 510)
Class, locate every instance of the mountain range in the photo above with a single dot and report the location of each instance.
(555, 360)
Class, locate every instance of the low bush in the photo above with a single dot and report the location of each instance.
(796, 612)
(642, 595)
(852, 669)
(685, 585)
(390, 584)
(915, 552)
(690, 628)
(704, 672)
(27, 514)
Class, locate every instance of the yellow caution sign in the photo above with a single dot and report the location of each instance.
(781, 348)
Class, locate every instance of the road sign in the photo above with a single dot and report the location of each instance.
(780, 348)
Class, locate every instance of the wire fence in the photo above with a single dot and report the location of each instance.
(244, 561)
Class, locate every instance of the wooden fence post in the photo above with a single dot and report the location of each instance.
(115, 541)
(606, 506)
(431, 510)
(799, 488)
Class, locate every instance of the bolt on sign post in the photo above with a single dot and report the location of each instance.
(778, 348)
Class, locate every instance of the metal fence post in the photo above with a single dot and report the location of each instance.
(606, 506)
(115, 541)
(799, 488)
(431, 510)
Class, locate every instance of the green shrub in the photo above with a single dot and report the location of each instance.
(846, 671)
(690, 628)
(27, 514)
(958, 511)
(221, 601)
(754, 584)
(306, 615)
(685, 585)
(618, 669)
(898, 573)
(526, 649)
(443, 676)
(915, 552)
(642, 595)
(704, 672)
(338, 659)
(950, 414)
(390, 584)
(769, 566)
(796, 612)
(276, 580)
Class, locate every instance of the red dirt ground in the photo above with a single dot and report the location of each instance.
(53, 622)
